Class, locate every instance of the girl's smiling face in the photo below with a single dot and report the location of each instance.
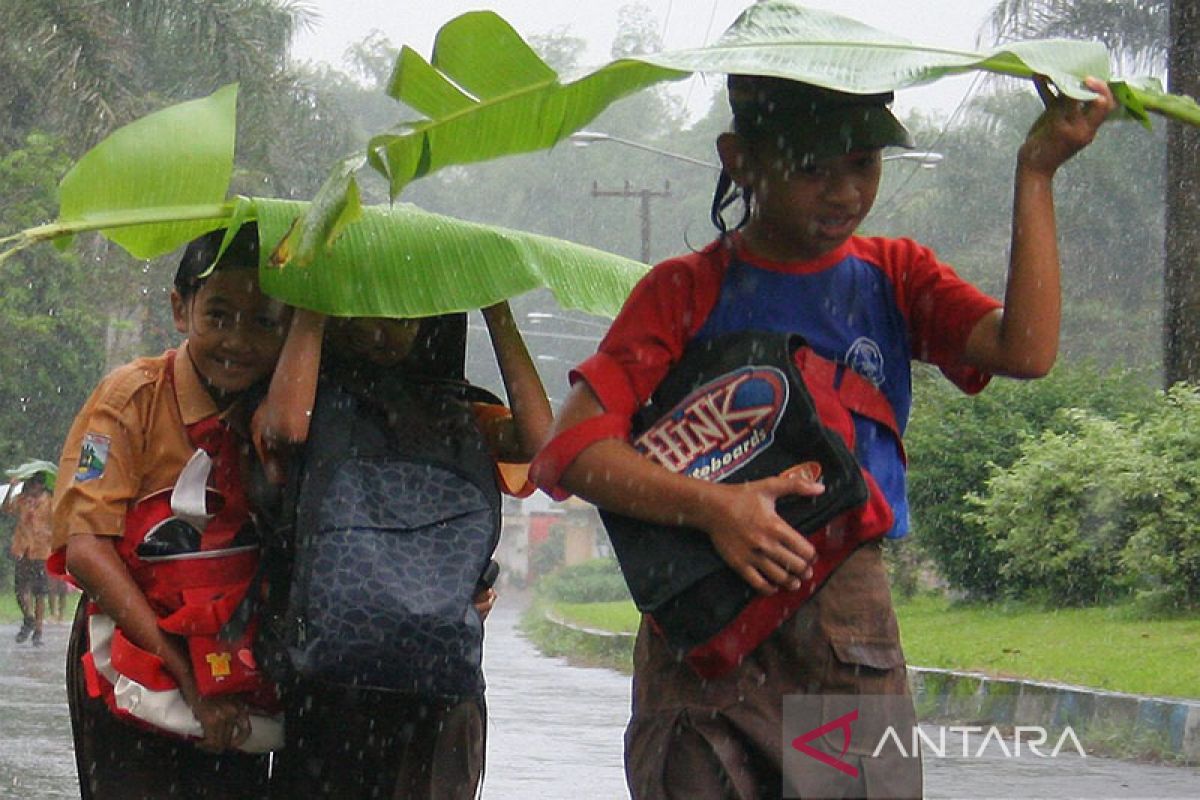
(234, 331)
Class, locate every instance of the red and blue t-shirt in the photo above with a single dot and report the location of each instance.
(872, 304)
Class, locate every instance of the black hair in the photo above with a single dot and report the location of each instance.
(201, 252)
(726, 194)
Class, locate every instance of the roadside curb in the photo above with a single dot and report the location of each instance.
(1169, 726)
(550, 616)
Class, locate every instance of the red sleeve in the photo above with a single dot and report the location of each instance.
(662, 313)
(941, 308)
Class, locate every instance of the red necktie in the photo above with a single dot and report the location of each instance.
(215, 437)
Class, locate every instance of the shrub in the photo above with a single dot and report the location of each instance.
(1164, 551)
(1102, 508)
(954, 442)
(596, 581)
(1061, 515)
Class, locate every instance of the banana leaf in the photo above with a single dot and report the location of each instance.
(401, 261)
(396, 261)
(476, 110)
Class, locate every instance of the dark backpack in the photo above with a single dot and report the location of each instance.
(737, 408)
(386, 528)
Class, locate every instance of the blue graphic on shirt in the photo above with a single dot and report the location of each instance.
(848, 314)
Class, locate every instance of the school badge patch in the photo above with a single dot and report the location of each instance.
(721, 426)
(92, 457)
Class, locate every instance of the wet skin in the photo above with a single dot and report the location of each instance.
(234, 331)
(803, 209)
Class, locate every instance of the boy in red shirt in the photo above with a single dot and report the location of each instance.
(806, 162)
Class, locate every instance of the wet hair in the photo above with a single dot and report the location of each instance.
(242, 253)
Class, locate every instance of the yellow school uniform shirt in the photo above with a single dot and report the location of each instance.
(129, 441)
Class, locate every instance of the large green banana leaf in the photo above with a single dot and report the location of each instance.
(182, 157)
(485, 93)
(392, 261)
(405, 262)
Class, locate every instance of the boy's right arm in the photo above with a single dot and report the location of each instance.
(93, 561)
(739, 518)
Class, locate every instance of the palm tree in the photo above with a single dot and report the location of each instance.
(1181, 305)
(1135, 31)
(82, 68)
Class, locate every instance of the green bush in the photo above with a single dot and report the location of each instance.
(1060, 516)
(1164, 551)
(596, 581)
(955, 441)
(1101, 508)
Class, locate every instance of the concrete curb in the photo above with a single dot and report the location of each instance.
(1171, 726)
(550, 616)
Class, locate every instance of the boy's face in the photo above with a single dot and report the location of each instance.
(804, 208)
(234, 331)
(378, 340)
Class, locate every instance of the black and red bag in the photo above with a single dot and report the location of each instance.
(739, 408)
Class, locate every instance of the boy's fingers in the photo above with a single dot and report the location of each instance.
(758, 583)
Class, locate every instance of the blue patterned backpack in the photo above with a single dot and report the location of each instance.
(386, 530)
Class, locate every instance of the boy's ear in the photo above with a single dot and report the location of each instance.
(179, 311)
(732, 150)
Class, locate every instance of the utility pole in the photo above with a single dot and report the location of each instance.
(645, 195)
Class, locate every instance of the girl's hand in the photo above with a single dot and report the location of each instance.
(1065, 127)
(755, 541)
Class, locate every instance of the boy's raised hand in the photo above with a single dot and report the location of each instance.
(1065, 127)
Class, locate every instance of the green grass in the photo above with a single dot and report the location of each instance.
(618, 616)
(1111, 648)
(9, 611)
(1106, 648)
(615, 652)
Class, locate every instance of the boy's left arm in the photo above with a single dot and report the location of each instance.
(281, 420)
(531, 414)
(1021, 340)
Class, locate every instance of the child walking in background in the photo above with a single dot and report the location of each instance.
(151, 520)
(351, 733)
(30, 549)
(807, 163)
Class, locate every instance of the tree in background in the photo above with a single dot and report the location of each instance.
(51, 342)
(74, 70)
(1135, 31)
(1164, 37)
(1182, 306)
